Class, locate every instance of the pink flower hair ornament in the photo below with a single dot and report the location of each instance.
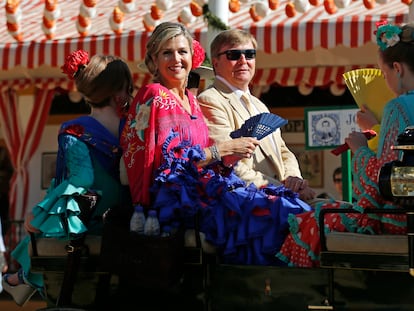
(199, 54)
(74, 62)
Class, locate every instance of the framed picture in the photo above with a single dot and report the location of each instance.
(310, 163)
(48, 168)
(328, 127)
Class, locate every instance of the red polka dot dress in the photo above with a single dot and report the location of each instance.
(301, 248)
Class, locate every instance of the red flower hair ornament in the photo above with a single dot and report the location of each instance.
(199, 54)
(74, 62)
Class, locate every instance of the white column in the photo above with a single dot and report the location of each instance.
(219, 8)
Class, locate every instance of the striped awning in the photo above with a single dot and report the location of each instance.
(350, 27)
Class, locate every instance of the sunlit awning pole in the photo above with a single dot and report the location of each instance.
(220, 9)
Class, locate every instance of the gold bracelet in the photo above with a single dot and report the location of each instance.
(215, 154)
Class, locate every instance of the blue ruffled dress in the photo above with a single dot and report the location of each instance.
(246, 224)
(87, 160)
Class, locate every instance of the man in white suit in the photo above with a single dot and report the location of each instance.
(228, 103)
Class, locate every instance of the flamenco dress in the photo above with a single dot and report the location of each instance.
(247, 225)
(162, 143)
(302, 246)
(87, 161)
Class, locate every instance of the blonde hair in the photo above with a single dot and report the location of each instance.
(161, 34)
(231, 37)
(101, 78)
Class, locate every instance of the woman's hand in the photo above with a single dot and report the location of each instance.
(365, 118)
(28, 226)
(356, 140)
(242, 147)
(232, 151)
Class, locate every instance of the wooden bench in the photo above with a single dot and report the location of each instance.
(345, 250)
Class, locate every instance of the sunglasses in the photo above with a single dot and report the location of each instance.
(236, 54)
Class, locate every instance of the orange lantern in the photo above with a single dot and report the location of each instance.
(50, 5)
(330, 6)
(83, 21)
(369, 4)
(255, 17)
(408, 2)
(234, 6)
(12, 27)
(273, 4)
(196, 9)
(290, 9)
(48, 23)
(156, 13)
(314, 2)
(89, 3)
(12, 6)
(118, 15)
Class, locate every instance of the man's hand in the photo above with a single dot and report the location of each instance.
(300, 186)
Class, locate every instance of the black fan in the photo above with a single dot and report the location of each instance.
(259, 126)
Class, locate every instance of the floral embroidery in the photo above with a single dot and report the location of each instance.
(164, 101)
(387, 35)
(140, 123)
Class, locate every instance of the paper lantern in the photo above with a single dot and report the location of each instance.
(337, 89)
(301, 6)
(196, 9)
(234, 6)
(186, 16)
(149, 22)
(83, 25)
(87, 8)
(255, 17)
(290, 9)
(164, 4)
(261, 9)
(305, 89)
(330, 6)
(273, 4)
(116, 20)
(156, 13)
(369, 4)
(126, 6)
(13, 19)
(50, 14)
(341, 4)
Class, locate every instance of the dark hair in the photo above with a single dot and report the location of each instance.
(403, 51)
(337, 171)
(101, 78)
(193, 80)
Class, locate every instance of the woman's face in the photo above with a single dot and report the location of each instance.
(174, 61)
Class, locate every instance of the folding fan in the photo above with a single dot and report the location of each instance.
(368, 87)
(259, 126)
